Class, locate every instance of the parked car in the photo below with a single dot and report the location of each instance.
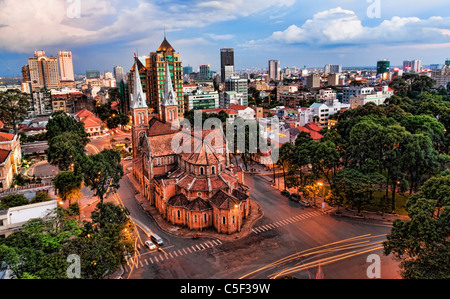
(128, 158)
(285, 193)
(305, 203)
(295, 197)
(150, 245)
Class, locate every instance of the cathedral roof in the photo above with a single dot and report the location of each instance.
(199, 205)
(223, 200)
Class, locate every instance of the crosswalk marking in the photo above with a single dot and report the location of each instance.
(284, 222)
(157, 258)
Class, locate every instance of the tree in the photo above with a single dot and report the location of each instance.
(354, 188)
(13, 200)
(13, 107)
(37, 249)
(325, 159)
(65, 151)
(422, 243)
(286, 158)
(102, 172)
(61, 123)
(68, 184)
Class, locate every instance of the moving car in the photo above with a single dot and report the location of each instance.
(150, 245)
(156, 239)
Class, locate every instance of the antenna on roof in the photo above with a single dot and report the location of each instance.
(164, 31)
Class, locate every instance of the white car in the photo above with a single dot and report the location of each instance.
(128, 158)
(150, 245)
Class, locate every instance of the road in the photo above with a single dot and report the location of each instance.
(289, 240)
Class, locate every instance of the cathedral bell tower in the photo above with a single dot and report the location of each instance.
(169, 105)
(139, 111)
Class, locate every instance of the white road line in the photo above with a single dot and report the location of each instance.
(175, 253)
(146, 262)
(170, 254)
(156, 259)
(150, 259)
(179, 251)
(187, 249)
(220, 242)
(198, 247)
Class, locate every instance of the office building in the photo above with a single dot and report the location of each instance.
(92, 74)
(332, 68)
(42, 71)
(413, 66)
(239, 85)
(274, 70)
(201, 100)
(187, 70)
(118, 74)
(165, 56)
(205, 72)
(313, 81)
(226, 63)
(383, 66)
(66, 66)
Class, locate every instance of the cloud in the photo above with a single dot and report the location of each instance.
(220, 36)
(338, 26)
(28, 24)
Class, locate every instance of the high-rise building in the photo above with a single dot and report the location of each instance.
(92, 74)
(66, 66)
(239, 85)
(313, 81)
(226, 63)
(187, 70)
(42, 71)
(118, 74)
(274, 70)
(332, 68)
(414, 66)
(383, 66)
(205, 72)
(165, 56)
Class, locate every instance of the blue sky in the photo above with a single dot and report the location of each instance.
(102, 34)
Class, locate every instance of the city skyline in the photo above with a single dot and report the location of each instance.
(104, 34)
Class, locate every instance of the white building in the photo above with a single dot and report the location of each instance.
(320, 112)
(228, 98)
(66, 66)
(243, 112)
(378, 97)
(442, 76)
(12, 219)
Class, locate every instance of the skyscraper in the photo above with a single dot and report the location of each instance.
(118, 74)
(414, 66)
(226, 63)
(42, 71)
(156, 65)
(205, 72)
(66, 66)
(332, 68)
(274, 70)
(383, 66)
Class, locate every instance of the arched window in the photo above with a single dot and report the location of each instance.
(202, 171)
(205, 218)
(213, 170)
(195, 218)
(179, 214)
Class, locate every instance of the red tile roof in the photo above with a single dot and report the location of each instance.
(6, 137)
(4, 155)
(237, 107)
(314, 135)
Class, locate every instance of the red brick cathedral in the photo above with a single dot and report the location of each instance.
(198, 188)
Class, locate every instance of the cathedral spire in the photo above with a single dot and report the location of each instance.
(169, 96)
(139, 99)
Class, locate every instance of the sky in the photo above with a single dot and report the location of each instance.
(104, 33)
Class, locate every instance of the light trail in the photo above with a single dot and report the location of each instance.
(355, 242)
